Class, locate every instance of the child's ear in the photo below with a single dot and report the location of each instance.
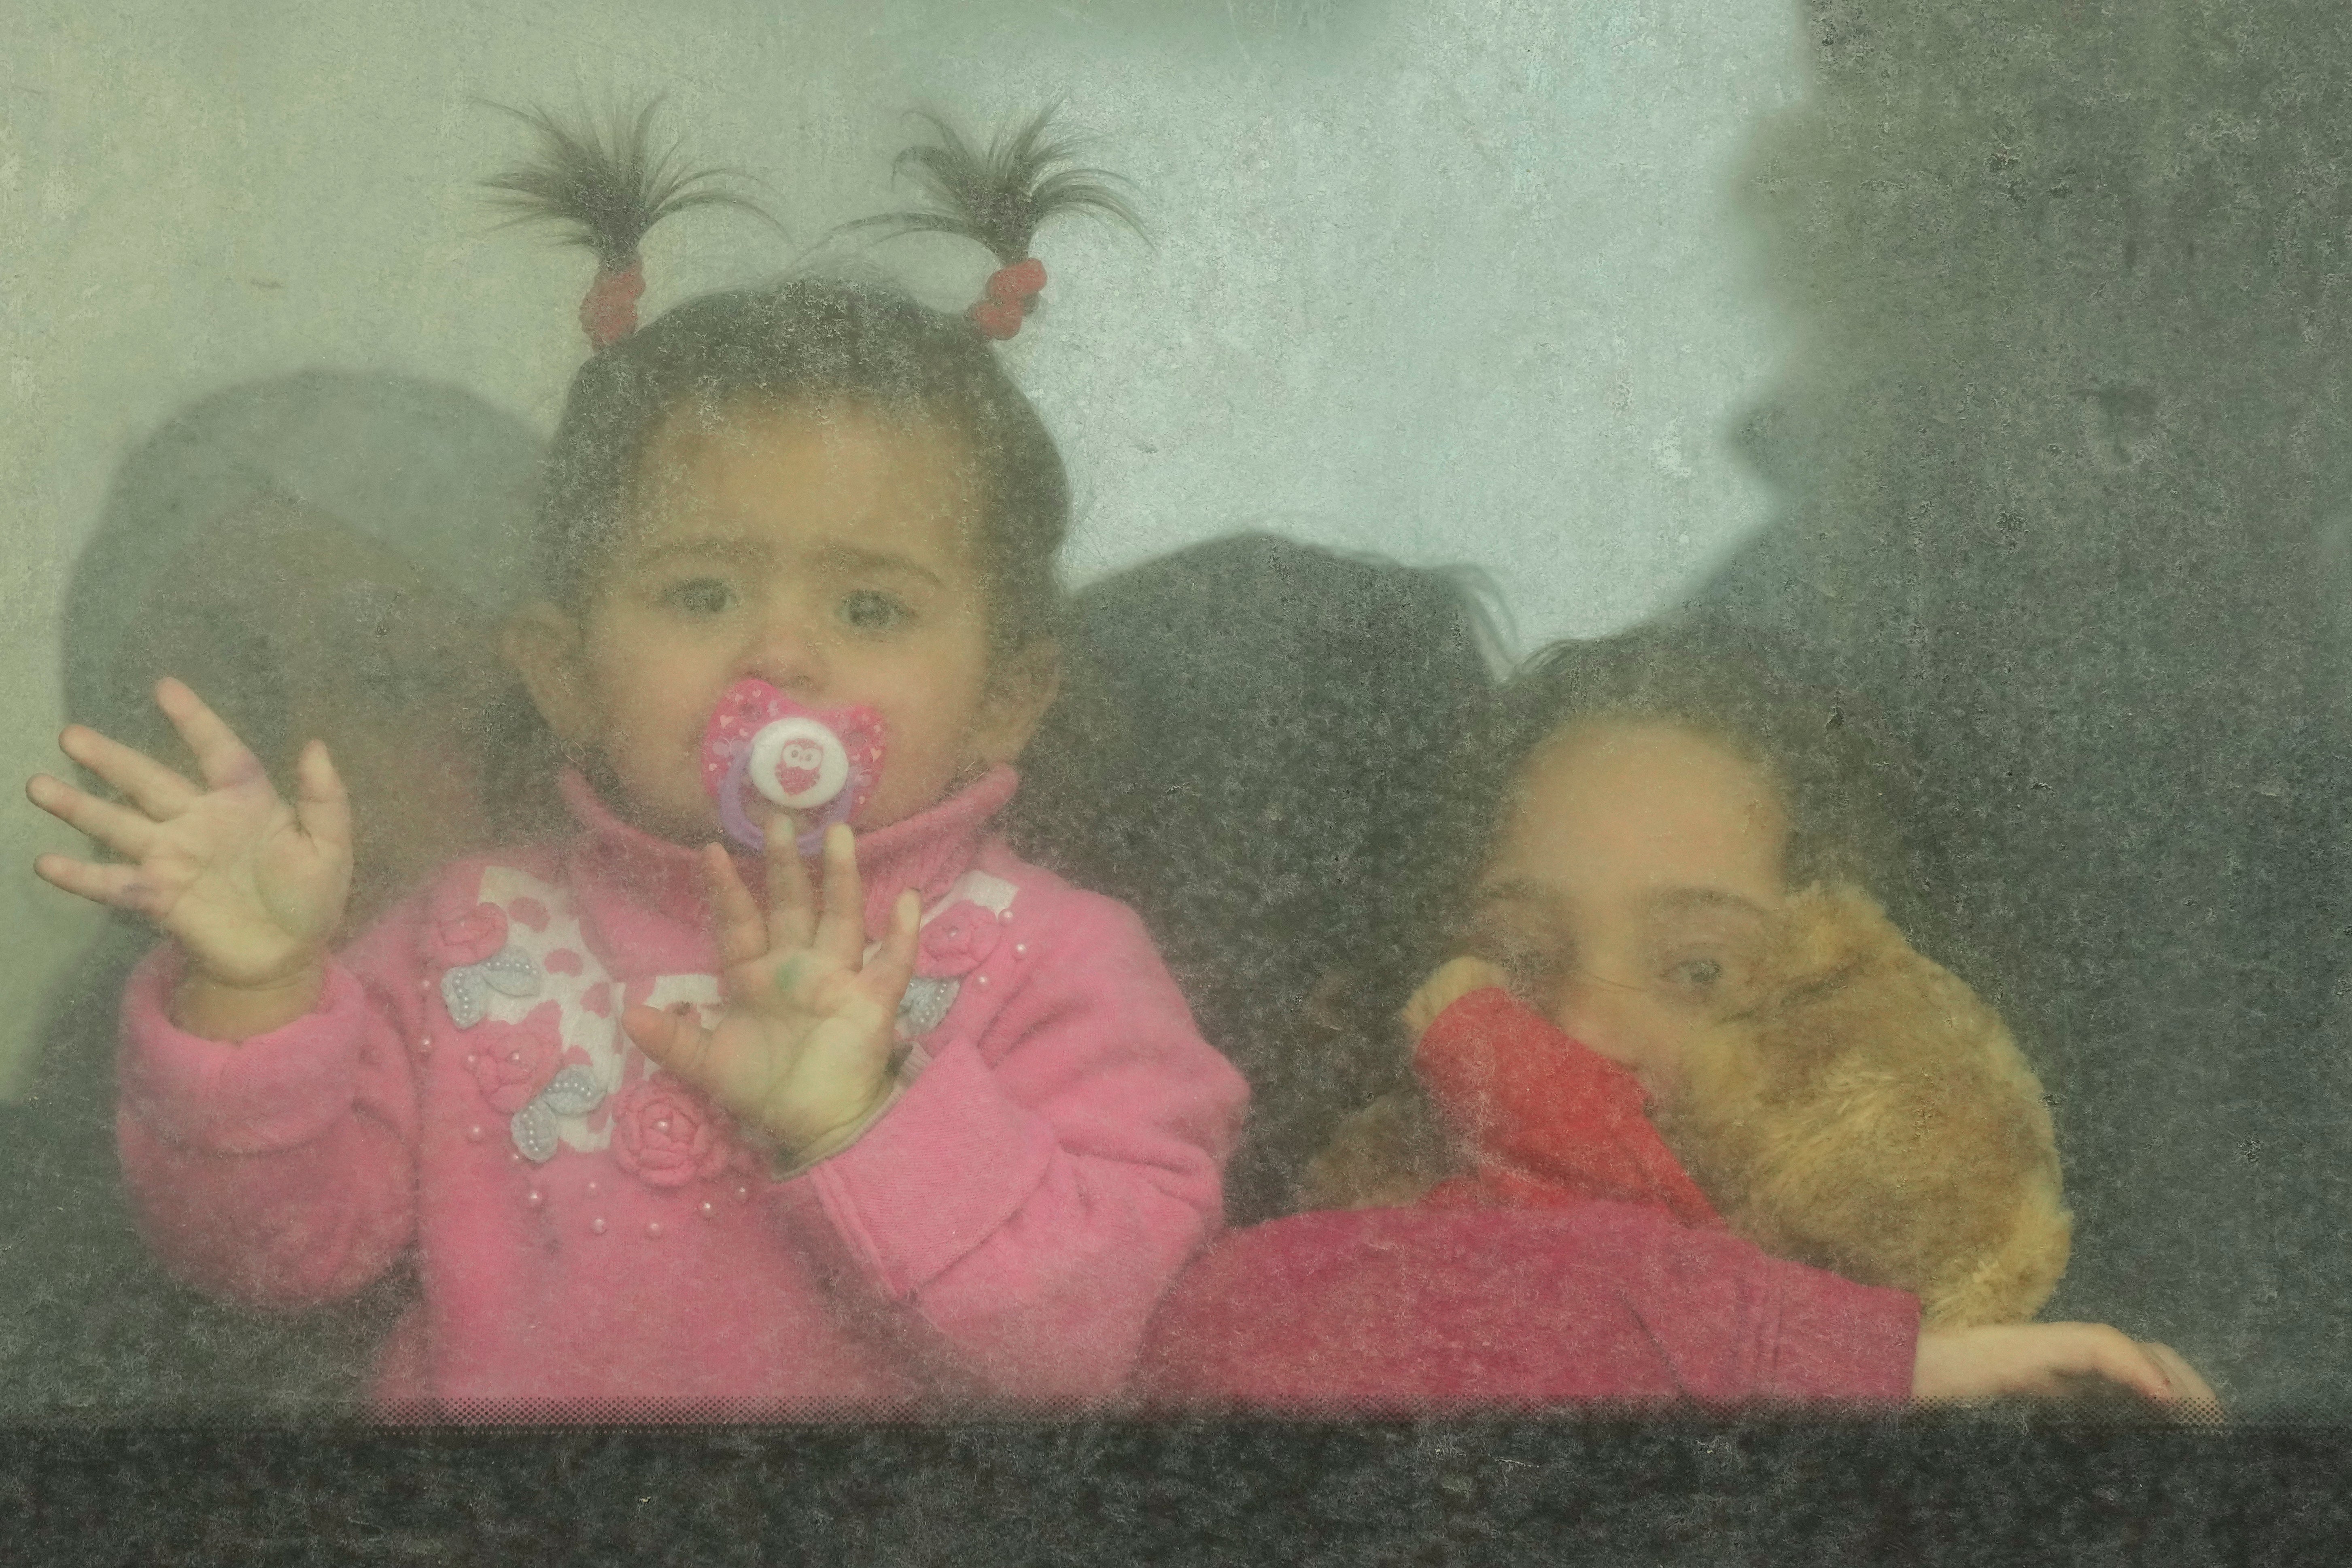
(543, 643)
(1021, 687)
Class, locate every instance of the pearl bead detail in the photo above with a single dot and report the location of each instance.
(597, 1225)
(1004, 917)
(1020, 950)
(980, 980)
(473, 1134)
(743, 1192)
(652, 1228)
(536, 1198)
(708, 1209)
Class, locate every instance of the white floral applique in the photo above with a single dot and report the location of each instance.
(552, 1057)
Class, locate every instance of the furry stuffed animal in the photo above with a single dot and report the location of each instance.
(1853, 1105)
(1865, 1111)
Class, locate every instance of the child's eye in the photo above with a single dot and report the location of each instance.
(1697, 973)
(869, 611)
(700, 596)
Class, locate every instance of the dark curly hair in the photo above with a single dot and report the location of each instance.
(1845, 786)
(811, 339)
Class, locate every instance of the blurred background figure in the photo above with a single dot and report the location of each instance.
(320, 555)
(2066, 474)
(1249, 752)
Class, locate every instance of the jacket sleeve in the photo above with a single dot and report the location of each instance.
(278, 1170)
(1034, 1190)
(1416, 1310)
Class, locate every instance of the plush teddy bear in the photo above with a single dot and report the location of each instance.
(1852, 1105)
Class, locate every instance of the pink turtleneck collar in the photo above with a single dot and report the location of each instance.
(927, 852)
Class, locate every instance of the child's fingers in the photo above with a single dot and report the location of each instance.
(743, 935)
(222, 758)
(126, 832)
(841, 929)
(2098, 1351)
(886, 974)
(320, 804)
(1453, 980)
(791, 902)
(676, 1042)
(2188, 1387)
(120, 887)
(150, 787)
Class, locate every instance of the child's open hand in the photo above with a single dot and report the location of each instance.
(804, 1051)
(1453, 980)
(1964, 1366)
(250, 887)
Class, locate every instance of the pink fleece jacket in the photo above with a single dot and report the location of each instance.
(587, 1232)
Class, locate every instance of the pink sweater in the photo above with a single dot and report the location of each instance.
(587, 1231)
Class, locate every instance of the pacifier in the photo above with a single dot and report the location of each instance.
(761, 745)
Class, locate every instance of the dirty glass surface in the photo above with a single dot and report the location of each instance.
(1992, 366)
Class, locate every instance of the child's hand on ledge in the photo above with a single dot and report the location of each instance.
(1453, 980)
(1970, 1366)
(804, 1051)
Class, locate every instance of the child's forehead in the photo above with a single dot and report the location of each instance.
(1642, 803)
(750, 468)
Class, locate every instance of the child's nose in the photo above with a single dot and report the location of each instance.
(787, 652)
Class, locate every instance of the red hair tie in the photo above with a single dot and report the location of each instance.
(1010, 289)
(608, 312)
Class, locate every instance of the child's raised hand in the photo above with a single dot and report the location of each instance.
(1453, 980)
(251, 888)
(1963, 1366)
(805, 1050)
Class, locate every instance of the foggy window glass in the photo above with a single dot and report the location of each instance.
(1986, 384)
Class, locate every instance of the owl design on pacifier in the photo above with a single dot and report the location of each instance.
(762, 751)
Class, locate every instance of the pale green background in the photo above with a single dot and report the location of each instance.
(1454, 282)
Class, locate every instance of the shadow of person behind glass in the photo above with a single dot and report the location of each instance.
(322, 554)
(1249, 751)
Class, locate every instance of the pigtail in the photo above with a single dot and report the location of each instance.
(607, 186)
(1000, 196)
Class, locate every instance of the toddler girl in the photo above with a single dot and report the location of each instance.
(648, 1133)
(1639, 820)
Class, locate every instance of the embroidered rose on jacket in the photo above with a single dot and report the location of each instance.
(664, 1133)
(956, 941)
(456, 938)
(512, 1062)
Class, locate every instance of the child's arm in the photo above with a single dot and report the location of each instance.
(1029, 1202)
(1414, 1310)
(250, 888)
(264, 1105)
(278, 1170)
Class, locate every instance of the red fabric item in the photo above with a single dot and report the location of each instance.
(1549, 1120)
(1417, 1311)
(1579, 1263)
(608, 312)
